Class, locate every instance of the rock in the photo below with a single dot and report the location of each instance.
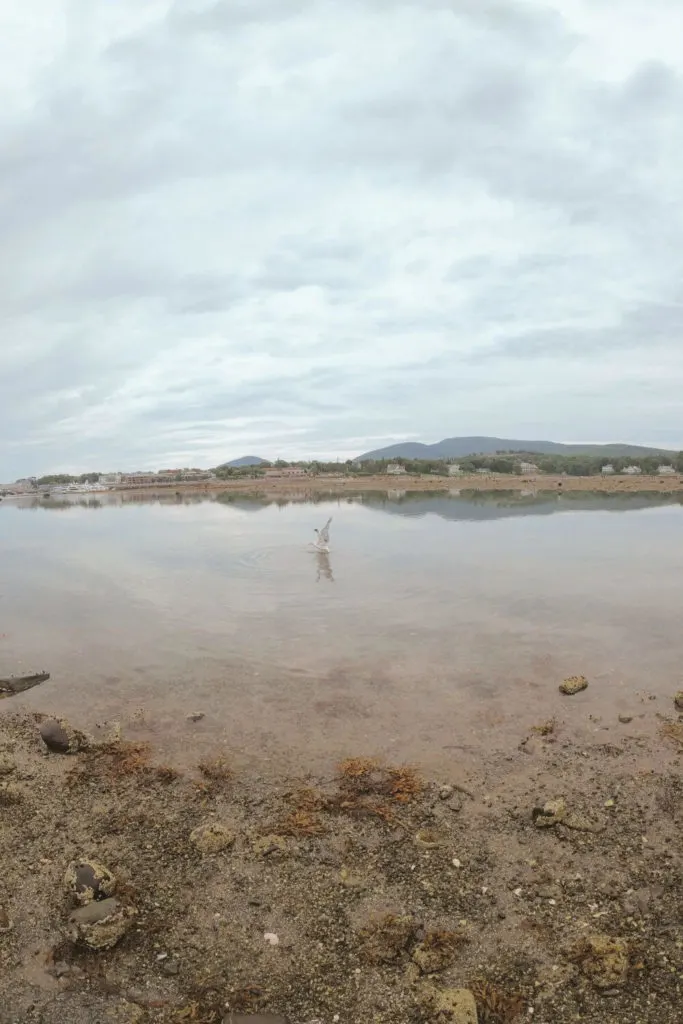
(212, 837)
(603, 959)
(254, 1018)
(101, 924)
(552, 813)
(6, 923)
(678, 700)
(580, 823)
(573, 684)
(625, 719)
(60, 738)
(456, 1005)
(7, 765)
(195, 716)
(89, 880)
(446, 792)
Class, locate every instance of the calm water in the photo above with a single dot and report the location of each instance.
(437, 621)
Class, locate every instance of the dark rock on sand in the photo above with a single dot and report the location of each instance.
(5, 921)
(89, 880)
(102, 924)
(60, 738)
(678, 700)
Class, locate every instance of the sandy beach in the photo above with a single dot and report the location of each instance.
(539, 881)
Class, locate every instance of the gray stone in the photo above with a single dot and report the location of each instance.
(678, 700)
(101, 924)
(89, 880)
(60, 738)
(5, 921)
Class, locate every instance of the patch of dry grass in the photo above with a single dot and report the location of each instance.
(301, 823)
(496, 1005)
(117, 761)
(404, 784)
(216, 776)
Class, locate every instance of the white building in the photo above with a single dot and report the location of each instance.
(528, 467)
(454, 469)
(110, 479)
(632, 471)
(395, 469)
(666, 471)
(608, 470)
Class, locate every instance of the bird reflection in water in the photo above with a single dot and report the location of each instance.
(324, 568)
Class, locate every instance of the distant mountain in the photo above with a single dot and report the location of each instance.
(245, 460)
(458, 447)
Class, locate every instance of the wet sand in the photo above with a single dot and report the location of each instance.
(545, 878)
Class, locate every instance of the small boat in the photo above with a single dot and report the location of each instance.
(10, 685)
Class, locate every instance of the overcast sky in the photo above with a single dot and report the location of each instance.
(309, 228)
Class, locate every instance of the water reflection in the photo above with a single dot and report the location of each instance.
(453, 504)
(324, 567)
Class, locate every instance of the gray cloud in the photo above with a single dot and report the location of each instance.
(299, 227)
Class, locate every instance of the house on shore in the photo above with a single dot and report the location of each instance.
(396, 469)
(667, 471)
(285, 472)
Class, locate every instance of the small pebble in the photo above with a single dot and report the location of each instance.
(272, 939)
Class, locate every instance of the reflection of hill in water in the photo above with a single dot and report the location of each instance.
(487, 505)
(468, 505)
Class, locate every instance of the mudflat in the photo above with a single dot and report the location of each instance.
(540, 882)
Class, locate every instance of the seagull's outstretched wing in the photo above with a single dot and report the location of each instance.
(325, 532)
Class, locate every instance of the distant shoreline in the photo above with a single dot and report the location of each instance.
(474, 482)
(545, 483)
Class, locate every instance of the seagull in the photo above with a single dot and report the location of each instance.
(322, 543)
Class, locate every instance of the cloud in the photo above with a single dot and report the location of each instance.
(298, 228)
